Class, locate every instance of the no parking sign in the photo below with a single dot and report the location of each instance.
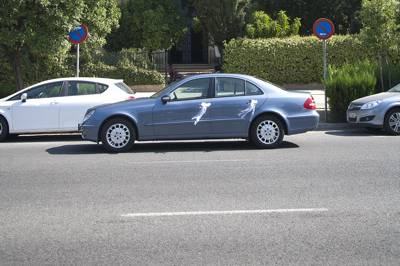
(77, 36)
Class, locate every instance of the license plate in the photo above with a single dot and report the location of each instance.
(352, 115)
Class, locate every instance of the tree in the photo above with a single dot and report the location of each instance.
(223, 20)
(342, 12)
(380, 29)
(150, 24)
(33, 32)
(262, 26)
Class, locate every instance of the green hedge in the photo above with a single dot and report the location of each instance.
(347, 83)
(289, 60)
(132, 75)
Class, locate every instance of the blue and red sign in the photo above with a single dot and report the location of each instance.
(323, 28)
(79, 34)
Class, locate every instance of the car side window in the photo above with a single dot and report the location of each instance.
(46, 91)
(228, 87)
(252, 89)
(76, 88)
(194, 89)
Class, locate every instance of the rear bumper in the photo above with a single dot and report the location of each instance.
(303, 123)
(89, 132)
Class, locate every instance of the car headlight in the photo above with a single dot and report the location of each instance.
(370, 105)
(87, 116)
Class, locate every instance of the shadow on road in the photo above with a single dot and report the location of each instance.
(357, 133)
(164, 147)
(43, 138)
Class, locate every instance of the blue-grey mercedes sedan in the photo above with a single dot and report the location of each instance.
(211, 106)
(377, 111)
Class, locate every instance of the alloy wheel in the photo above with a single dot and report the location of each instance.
(394, 122)
(268, 132)
(118, 135)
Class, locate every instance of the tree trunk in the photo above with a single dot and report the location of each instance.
(389, 71)
(17, 67)
(381, 73)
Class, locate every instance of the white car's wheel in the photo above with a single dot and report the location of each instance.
(3, 128)
(118, 135)
(267, 132)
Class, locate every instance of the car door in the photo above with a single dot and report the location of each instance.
(81, 95)
(40, 112)
(233, 107)
(186, 115)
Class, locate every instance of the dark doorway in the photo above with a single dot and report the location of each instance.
(198, 51)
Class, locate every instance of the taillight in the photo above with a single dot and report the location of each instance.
(131, 97)
(310, 103)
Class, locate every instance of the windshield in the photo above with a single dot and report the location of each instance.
(395, 88)
(161, 92)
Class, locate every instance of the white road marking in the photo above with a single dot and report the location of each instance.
(232, 212)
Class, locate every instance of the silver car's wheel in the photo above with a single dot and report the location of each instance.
(3, 128)
(118, 135)
(267, 132)
(392, 122)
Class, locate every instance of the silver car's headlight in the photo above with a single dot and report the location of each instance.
(88, 115)
(370, 105)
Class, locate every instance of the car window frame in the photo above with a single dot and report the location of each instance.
(17, 97)
(209, 95)
(84, 81)
(245, 89)
(219, 97)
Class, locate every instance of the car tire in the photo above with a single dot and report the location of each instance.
(118, 135)
(3, 128)
(392, 122)
(267, 132)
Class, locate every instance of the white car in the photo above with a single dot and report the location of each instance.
(57, 105)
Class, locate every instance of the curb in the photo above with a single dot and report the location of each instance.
(336, 126)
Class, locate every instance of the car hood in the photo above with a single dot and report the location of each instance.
(123, 104)
(380, 96)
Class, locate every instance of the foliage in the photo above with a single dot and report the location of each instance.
(150, 24)
(222, 20)
(131, 74)
(262, 26)
(289, 60)
(342, 12)
(380, 30)
(32, 33)
(133, 56)
(347, 83)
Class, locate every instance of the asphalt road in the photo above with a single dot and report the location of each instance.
(324, 198)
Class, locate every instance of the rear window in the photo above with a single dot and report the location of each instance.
(124, 87)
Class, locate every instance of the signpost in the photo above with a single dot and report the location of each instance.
(78, 36)
(324, 29)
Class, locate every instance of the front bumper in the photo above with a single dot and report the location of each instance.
(365, 118)
(89, 132)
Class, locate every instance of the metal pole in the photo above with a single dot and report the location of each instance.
(325, 59)
(77, 61)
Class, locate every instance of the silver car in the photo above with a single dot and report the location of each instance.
(377, 111)
(204, 107)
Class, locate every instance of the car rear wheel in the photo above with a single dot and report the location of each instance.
(3, 128)
(118, 135)
(392, 122)
(267, 132)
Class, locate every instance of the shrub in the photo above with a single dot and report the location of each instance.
(132, 75)
(289, 60)
(347, 83)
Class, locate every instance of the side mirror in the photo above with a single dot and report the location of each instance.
(165, 99)
(24, 96)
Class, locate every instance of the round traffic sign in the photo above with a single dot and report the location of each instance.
(79, 34)
(323, 28)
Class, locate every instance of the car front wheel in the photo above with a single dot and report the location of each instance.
(392, 122)
(3, 128)
(118, 135)
(267, 132)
